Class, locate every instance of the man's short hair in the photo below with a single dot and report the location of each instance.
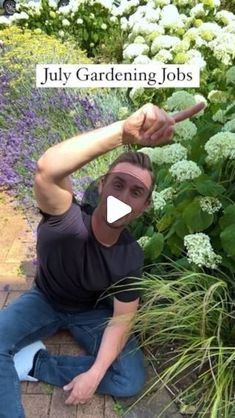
(136, 158)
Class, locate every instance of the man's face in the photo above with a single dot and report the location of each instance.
(131, 185)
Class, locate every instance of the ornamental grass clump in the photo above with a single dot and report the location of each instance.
(186, 326)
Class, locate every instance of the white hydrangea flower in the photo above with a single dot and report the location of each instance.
(145, 28)
(163, 56)
(65, 10)
(219, 116)
(142, 59)
(198, 99)
(148, 151)
(217, 96)
(210, 204)
(162, 3)
(158, 201)
(191, 35)
(139, 40)
(180, 100)
(65, 22)
(229, 126)
(142, 241)
(200, 251)
(52, 4)
(61, 33)
(152, 15)
(185, 130)
(220, 147)
(104, 26)
(163, 41)
(124, 23)
(168, 193)
(223, 47)
(196, 58)
(173, 153)
(185, 170)
(209, 30)
(182, 46)
(4, 20)
(113, 19)
(79, 21)
(230, 28)
(230, 75)
(21, 15)
(182, 2)
(197, 11)
(225, 17)
(169, 16)
(157, 156)
(133, 50)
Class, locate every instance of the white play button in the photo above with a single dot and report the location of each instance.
(116, 209)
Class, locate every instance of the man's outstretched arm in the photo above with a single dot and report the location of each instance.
(113, 341)
(148, 126)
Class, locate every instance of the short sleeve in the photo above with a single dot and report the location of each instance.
(69, 223)
(128, 288)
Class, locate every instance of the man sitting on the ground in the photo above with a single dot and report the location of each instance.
(80, 255)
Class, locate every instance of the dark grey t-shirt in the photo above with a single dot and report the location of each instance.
(74, 270)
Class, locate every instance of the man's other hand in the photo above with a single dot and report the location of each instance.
(151, 126)
(82, 388)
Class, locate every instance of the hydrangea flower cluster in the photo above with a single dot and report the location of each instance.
(178, 33)
(169, 154)
(220, 147)
(184, 131)
(158, 201)
(210, 204)
(185, 170)
(200, 251)
(180, 100)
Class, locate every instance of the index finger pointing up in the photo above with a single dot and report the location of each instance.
(187, 113)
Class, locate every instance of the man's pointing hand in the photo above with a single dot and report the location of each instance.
(151, 126)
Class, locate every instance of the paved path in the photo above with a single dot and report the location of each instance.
(17, 252)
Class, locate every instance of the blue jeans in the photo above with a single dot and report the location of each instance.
(32, 317)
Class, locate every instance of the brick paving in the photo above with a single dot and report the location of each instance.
(17, 251)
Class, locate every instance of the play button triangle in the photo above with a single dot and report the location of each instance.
(116, 209)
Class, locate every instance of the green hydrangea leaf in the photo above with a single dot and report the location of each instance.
(154, 247)
(195, 219)
(227, 239)
(208, 187)
(228, 217)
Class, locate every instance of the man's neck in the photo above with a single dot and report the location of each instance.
(103, 232)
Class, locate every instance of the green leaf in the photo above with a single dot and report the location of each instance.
(208, 187)
(228, 218)
(180, 228)
(196, 219)
(164, 222)
(175, 244)
(228, 239)
(153, 249)
(149, 231)
(230, 111)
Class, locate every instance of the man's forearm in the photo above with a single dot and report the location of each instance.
(113, 341)
(66, 157)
